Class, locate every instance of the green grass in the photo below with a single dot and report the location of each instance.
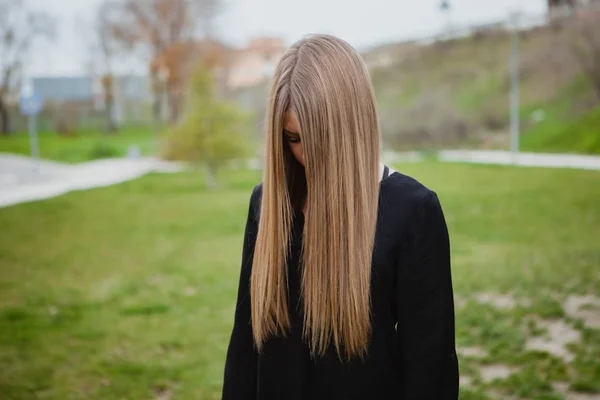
(579, 134)
(456, 94)
(85, 146)
(128, 292)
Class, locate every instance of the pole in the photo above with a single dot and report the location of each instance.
(155, 122)
(514, 89)
(33, 142)
(445, 9)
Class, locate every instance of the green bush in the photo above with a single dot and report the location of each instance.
(103, 150)
(580, 135)
(211, 132)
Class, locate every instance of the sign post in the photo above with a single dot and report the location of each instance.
(31, 105)
(514, 87)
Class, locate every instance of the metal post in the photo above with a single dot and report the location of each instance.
(33, 142)
(158, 123)
(162, 104)
(514, 88)
(445, 9)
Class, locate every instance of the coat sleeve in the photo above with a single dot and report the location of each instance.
(425, 307)
(241, 364)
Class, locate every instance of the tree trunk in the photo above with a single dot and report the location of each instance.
(597, 91)
(173, 105)
(156, 99)
(211, 176)
(593, 76)
(111, 124)
(4, 118)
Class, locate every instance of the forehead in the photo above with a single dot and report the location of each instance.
(290, 122)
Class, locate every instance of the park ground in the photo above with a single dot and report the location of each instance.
(85, 146)
(558, 134)
(128, 292)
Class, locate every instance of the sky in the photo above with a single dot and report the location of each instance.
(361, 23)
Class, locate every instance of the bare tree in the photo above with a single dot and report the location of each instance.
(585, 44)
(104, 52)
(162, 28)
(20, 27)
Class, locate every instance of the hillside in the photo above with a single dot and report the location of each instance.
(579, 133)
(456, 93)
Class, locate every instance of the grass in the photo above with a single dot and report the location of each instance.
(578, 134)
(434, 89)
(85, 146)
(128, 291)
(456, 94)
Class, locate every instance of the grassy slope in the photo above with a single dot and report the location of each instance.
(466, 82)
(579, 134)
(128, 291)
(425, 100)
(431, 91)
(83, 147)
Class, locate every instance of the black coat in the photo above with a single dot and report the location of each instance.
(411, 354)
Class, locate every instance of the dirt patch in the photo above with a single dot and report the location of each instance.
(472, 352)
(166, 395)
(501, 301)
(162, 393)
(492, 372)
(466, 381)
(563, 388)
(493, 394)
(559, 335)
(155, 280)
(52, 310)
(586, 308)
(459, 302)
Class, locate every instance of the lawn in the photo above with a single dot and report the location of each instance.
(561, 133)
(85, 146)
(128, 292)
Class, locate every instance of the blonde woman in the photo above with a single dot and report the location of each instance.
(345, 289)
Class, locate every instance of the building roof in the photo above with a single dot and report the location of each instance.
(64, 88)
(83, 88)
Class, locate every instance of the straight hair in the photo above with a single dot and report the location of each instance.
(325, 82)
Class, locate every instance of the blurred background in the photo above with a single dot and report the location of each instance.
(131, 137)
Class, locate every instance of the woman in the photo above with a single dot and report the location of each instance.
(345, 289)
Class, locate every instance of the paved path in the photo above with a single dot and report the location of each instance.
(23, 180)
(521, 159)
(501, 158)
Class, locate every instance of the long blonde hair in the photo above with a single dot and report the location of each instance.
(324, 81)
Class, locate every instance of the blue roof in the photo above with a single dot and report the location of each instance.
(64, 88)
(82, 88)
(134, 87)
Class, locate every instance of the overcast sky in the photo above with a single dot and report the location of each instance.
(361, 22)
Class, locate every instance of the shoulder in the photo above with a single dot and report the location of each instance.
(257, 192)
(255, 199)
(402, 190)
(412, 206)
(414, 210)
